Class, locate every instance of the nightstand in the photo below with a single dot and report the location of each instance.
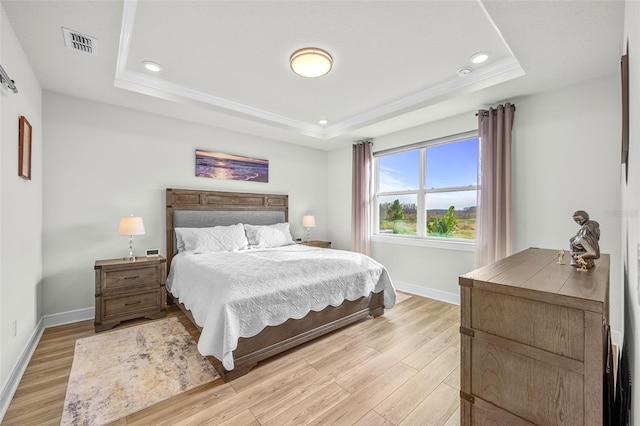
(126, 290)
(316, 243)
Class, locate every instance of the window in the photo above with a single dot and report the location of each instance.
(428, 190)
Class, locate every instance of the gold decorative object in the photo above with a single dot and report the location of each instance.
(582, 263)
(561, 257)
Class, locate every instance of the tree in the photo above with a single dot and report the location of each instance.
(395, 213)
(444, 226)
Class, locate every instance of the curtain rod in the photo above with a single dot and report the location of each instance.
(6, 81)
(485, 112)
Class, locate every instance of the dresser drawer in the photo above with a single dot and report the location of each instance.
(498, 374)
(123, 279)
(554, 328)
(131, 305)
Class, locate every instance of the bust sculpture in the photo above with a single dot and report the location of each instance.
(584, 247)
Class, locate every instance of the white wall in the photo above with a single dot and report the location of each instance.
(104, 162)
(631, 209)
(20, 205)
(566, 157)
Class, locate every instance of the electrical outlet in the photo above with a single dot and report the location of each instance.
(15, 328)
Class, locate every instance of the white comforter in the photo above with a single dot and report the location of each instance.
(237, 294)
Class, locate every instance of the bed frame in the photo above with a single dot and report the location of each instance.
(197, 208)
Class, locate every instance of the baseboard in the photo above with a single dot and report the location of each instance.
(68, 317)
(444, 296)
(15, 375)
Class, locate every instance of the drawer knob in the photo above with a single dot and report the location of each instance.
(132, 278)
(134, 303)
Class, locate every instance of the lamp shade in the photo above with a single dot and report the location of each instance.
(131, 225)
(308, 221)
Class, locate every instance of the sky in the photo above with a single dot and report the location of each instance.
(448, 165)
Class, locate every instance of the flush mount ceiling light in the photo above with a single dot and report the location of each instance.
(323, 121)
(311, 62)
(152, 66)
(478, 58)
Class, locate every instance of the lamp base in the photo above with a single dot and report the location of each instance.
(131, 257)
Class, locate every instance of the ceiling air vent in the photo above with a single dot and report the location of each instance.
(80, 42)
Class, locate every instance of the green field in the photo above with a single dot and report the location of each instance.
(466, 228)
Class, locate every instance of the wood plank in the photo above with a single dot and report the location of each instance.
(311, 407)
(422, 356)
(453, 379)
(373, 419)
(350, 410)
(245, 418)
(454, 419)
(286, 399)
(436, 408)
(410, 395)
(367, 373)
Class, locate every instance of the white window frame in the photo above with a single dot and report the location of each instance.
(421, 238)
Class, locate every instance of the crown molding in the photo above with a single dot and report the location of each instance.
(139, 82)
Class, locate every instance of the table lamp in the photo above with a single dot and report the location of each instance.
(131, 225)
(308, 221)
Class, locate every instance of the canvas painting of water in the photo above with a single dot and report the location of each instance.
(228, 166)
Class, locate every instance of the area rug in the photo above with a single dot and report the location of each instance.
(119, 372)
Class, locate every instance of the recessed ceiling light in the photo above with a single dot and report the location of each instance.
(152, 66)
(463, 71)
(311, 62)
(323, 121)
(478, 58)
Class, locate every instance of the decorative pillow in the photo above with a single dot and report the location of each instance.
(211, 240)
(264, 236)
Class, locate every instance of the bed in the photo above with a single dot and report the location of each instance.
(233, 341)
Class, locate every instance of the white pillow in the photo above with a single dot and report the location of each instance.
(211, 240)
(268, 235)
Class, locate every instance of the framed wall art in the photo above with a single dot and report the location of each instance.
(229, 166)
(24, 148)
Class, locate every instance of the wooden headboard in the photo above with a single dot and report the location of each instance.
(188, 207)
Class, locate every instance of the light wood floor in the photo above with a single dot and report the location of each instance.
(399, 369)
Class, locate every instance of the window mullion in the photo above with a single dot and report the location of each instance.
(420, 217)
(376, 201)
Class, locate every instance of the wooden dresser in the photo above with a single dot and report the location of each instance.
(126, 290)
(534, 341)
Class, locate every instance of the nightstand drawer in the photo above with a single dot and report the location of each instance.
(132, 304)
(122, 279)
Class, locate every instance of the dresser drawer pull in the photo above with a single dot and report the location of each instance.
(467, 397)
(467, 331)
(134, 303)
(132, 278)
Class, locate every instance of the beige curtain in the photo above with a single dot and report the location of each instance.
(493, 220)
(361, 197)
